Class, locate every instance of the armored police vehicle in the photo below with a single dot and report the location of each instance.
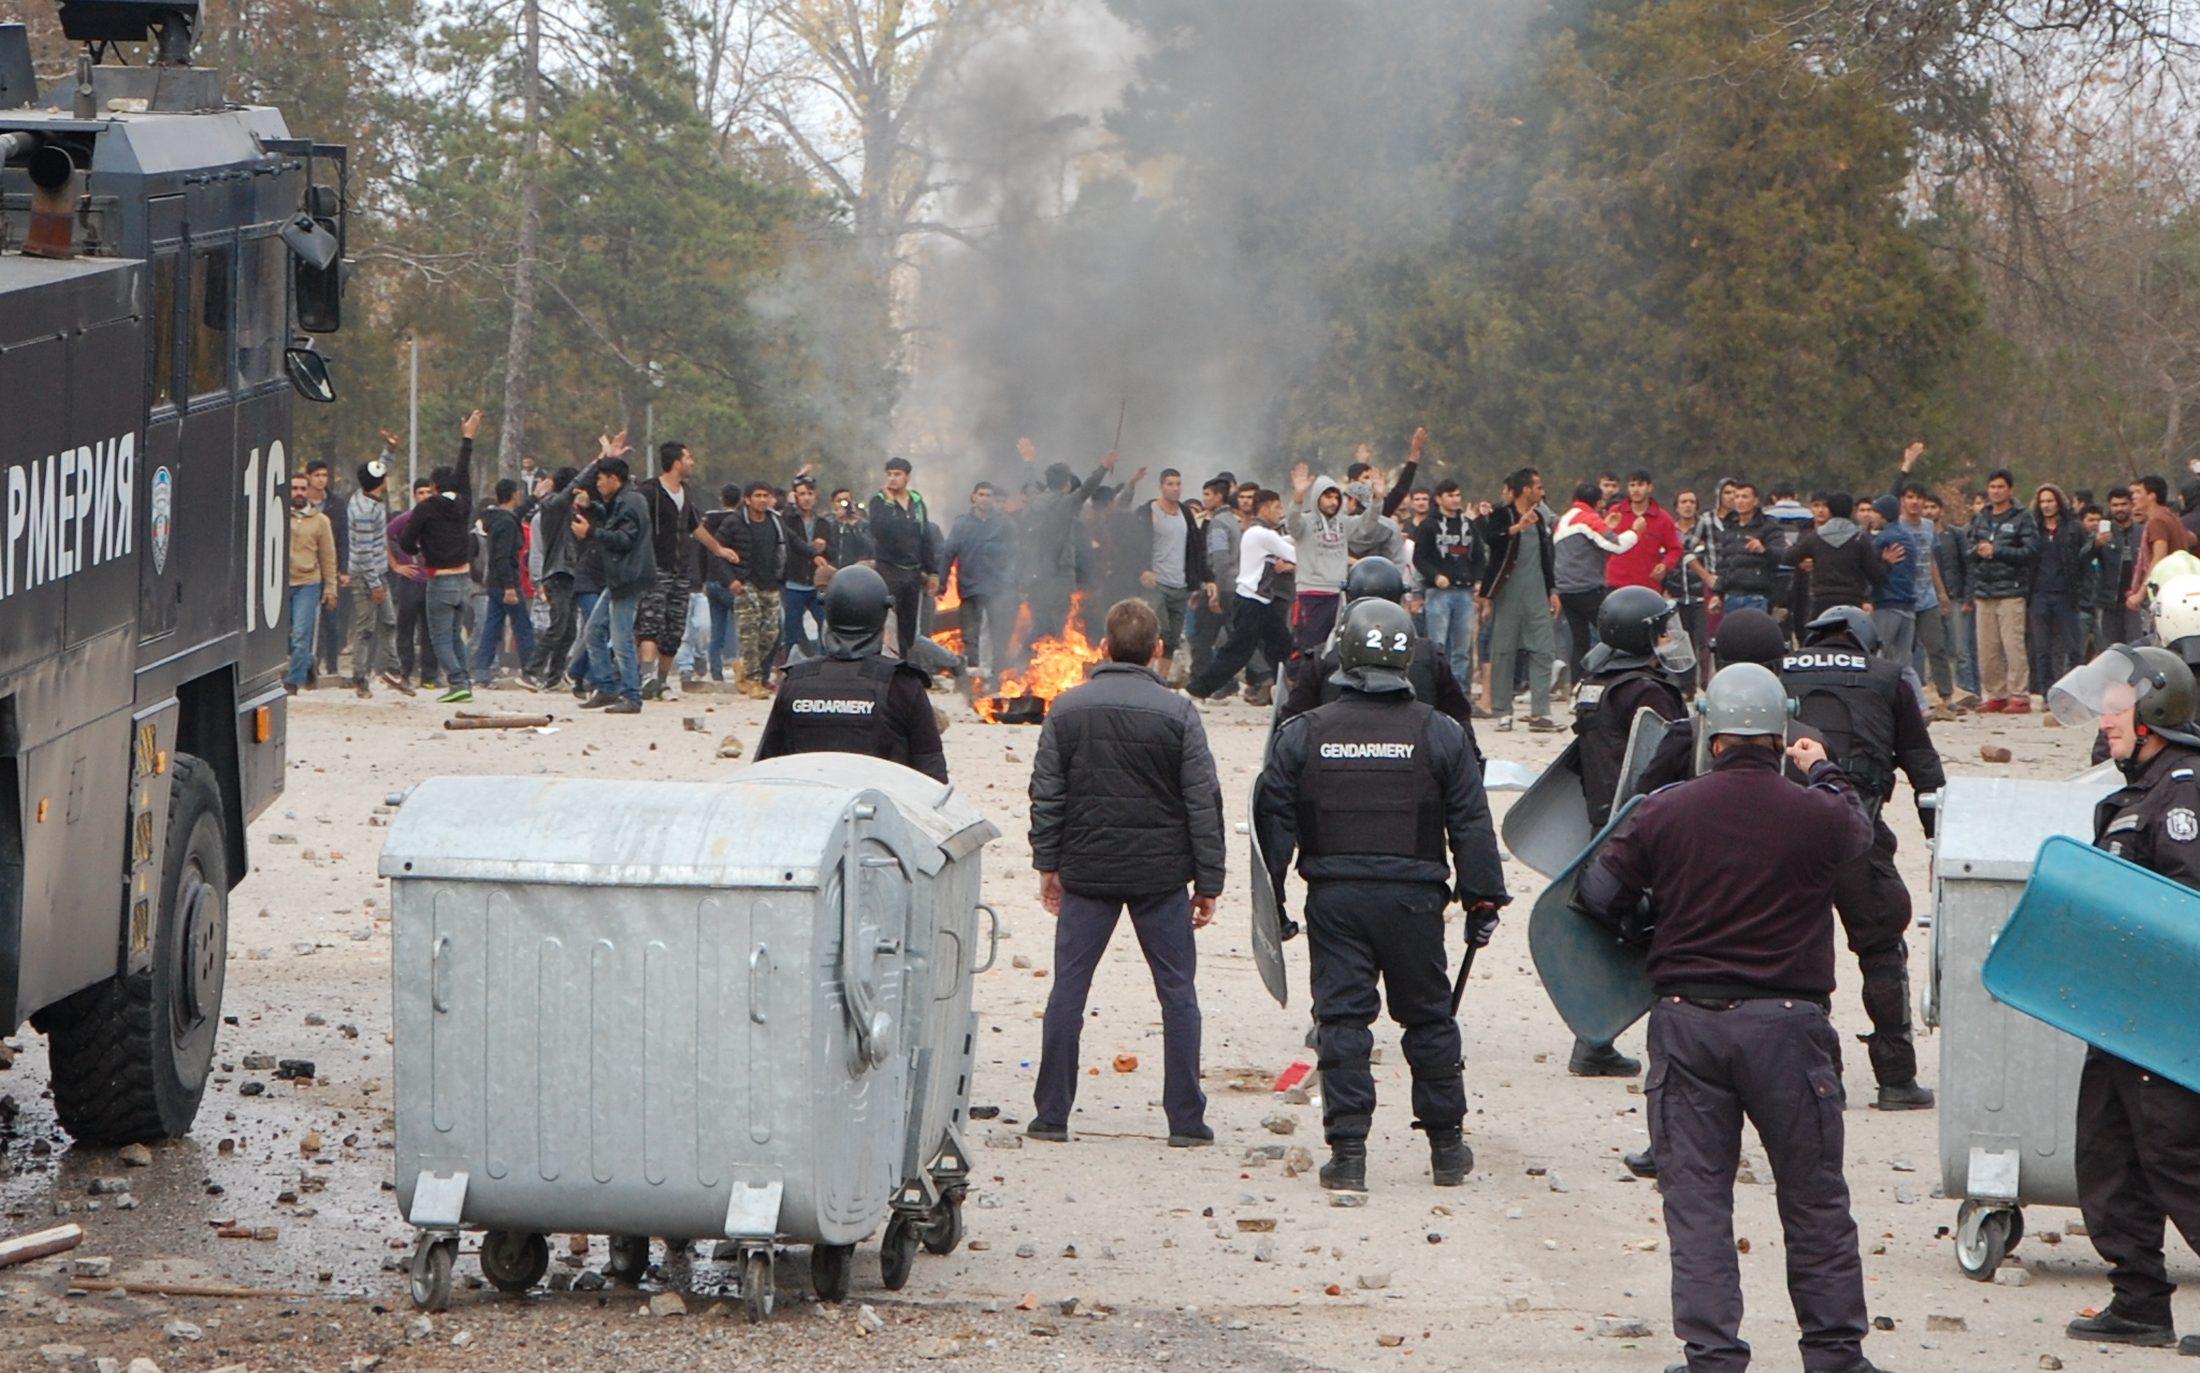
(158, 247)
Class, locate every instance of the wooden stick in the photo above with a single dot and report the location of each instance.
(496, 722)
(40, 1244)
(157, 1287)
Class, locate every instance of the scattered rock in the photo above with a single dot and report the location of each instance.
(1903, 1165)
(294, 1069)
(1297, 1160)
(1263, 1153)
(421, 1327)
(1558, 1184)
(92, 1267)
(1623, 1328)
(1126, 1063)
(1297, 1096)
(143, 1365)
(1882, 1322)
(1021, 963)
(1940, 1324)
(135, 1156)
(1003, 1139)
(1280, 1124)
(1374, 1280)
(2050, 1362)
(868, 1320)
(61, 1355)
(311, 1144)
(183, 1330)
(588, 1280)
(667, 1304)
(1348, 1199)
(1027, 1251)
(108, 1187)
(259, 1063)
(2013, 1277)
(1390, 1341)
(1256, 1225)
(1905, 1196)
(1994, 753)
(693, 724)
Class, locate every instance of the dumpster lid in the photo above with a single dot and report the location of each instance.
(1991, 828)
(936, 810)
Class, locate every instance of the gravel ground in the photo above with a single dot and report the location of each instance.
(1551, 1258)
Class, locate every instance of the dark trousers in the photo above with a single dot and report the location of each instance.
(1779, 1064)
(335, 628)
(906, 586)
(1580, 610)
(1203, 627)
(2119, 625)
(415, 652)
(556, 643)
(1312, 620)
(2054, 634)
(1874, 907)
(2138, 1160)
(1356, 933)
(1252, 626)
(1163, 923)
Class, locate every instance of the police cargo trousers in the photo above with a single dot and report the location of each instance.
(1874, 906)
(2138, 1160)
(373, 634)
(1163, 923)
(1359, 932)
(1776, 1062)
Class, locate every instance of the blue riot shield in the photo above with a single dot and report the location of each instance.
(2106, 951)
(1598, 983)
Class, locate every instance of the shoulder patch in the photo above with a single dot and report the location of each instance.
(2181, 825)
(2181, 775)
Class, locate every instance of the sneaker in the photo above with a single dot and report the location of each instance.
(1346, 1170)
(290, 688)
(652, 688)
(2017, 705)
(360, 689)
(1480, 713)
(1504, 724)
(1940, 715)
(456, 696)
(1047, 1134)
(2189, 1346)
(624, 706)
(1967, 700)
(1542, 724)
(581, 691)
(600, 700)
(1904, 1096)
(2110, 1328)
(670, 691)
(1198, 1138)
(533, 683)
(1992, 707)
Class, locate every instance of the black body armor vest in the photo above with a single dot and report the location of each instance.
(835, 705)
(1369, 785)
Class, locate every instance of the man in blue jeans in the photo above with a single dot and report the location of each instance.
(500, 527)
(1449, 554)
(312, 579)
(629, 569)
(1126, 810)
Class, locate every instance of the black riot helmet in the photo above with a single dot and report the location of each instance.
(1748, 636)
(1374, 646)
(1844, 619)
(1632, 620)
(1377, 576)
(856, 604)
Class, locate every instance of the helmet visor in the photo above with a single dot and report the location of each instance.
(2103, 687)
(1676, 652)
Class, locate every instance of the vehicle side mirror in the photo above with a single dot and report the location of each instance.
(309, 375)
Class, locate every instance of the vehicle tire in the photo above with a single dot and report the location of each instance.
(943, 1229)
(756, 1285)
(1982, 1239)
(897, 1252)
(629, 1258)
(431, 1273)
(830, 1268)
(130, 1055)
(513, 1260)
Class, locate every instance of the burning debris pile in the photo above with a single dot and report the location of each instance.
(1057, 662)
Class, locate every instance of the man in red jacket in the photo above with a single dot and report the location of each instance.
(1659, 549)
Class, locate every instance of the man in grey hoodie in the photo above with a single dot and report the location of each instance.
(1369, 533)
(1321, 530)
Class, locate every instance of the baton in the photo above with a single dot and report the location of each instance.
(1459, 987)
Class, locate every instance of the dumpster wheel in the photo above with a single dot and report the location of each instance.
(831, 1266)
(431, 1271)
(514, 1260)
(897, 1251)
(756, 1284)
(943, 1227)
(629, 1259)
(1984, 1236)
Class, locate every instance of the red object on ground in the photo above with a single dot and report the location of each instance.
(1292, 1077)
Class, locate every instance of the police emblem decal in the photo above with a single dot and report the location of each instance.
(2182, 825)
(163, 519)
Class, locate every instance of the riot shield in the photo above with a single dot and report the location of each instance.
(1549, 824)
(1643, 737)
(1268, 918)
(2104, 950)
(1598, 984)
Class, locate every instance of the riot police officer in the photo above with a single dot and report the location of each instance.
(1314, 677)
(1739, 865)
(1868, 712)
(855, 698)
(1368, 790)
(2138, 1136)
(1621, 675)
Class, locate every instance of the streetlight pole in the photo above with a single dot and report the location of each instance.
(412, 437)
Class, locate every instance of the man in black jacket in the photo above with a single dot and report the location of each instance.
(2004, 543)
(1449, 554)
(500, 536)
(1125, 810)
(1747, 555)
(1371, 791)
(438, 533)
(560, 558)
(759, 539)
(629, 572)
(905, 548)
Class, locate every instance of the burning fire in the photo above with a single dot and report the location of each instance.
(949, 639)
(1058, 662)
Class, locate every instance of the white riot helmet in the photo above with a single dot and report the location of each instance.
(2177, 616)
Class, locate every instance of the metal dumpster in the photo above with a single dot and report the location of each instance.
(2008, 1084)
(683, 1010)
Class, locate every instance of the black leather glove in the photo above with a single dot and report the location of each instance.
(1481, 924)
(1926, 817)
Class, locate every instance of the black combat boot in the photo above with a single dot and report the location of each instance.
(1642, 1165)
(1449, 1157)
(1346, 1170)
(1600, 1060)
(2110, 1328)
(1905, 1096)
